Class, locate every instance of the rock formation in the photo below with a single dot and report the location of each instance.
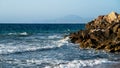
(101, 33)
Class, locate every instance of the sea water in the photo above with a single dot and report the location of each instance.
(45, 46)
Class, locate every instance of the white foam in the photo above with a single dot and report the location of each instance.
(23, 33)
(54, 63)
(20, 48)
(62, 42)
(53, 36)
(11, 48)
(80, 63)
(12, 33)
(29, 62)
(14, 47)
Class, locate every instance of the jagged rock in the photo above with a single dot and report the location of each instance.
(101, 33)
(112, 17)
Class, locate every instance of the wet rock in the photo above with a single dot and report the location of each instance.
(101, 33)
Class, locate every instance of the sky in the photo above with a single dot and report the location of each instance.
(25, 11)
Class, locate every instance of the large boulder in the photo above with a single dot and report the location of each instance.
(101, 33)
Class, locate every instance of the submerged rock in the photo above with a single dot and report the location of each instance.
(101, 33)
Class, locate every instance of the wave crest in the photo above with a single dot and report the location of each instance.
(80, 63)
(18, 34)
(20, 48)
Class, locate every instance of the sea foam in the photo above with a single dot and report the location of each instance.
(80, 63)
(11, 48)
(18, 34)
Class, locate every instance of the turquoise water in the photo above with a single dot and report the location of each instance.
(44, 46)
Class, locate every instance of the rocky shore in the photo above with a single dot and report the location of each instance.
(101, 33)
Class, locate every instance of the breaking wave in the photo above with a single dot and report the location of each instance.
(19, 34)
(8, 49)
(50, 63)
(53, 36)
(80, 63)
(22, 49)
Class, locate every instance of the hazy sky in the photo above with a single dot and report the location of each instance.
(37, 10)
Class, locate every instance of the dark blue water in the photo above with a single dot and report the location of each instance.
(39, 28)
(44, 46)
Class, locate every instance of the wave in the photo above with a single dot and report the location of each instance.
(63, 41)
(80, 63)
(52, 63)
(23, 49)
(8, 49)
(53, 36)
(18, 34)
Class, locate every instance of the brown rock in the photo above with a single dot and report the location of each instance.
(115, 28)
(118, 33)
(78, 41)
(112, 17)
(101, 33)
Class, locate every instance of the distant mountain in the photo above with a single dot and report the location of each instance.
(69, 19)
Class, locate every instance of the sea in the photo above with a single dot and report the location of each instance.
(48, 46)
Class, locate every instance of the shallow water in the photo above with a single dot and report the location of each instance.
(44, 46)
